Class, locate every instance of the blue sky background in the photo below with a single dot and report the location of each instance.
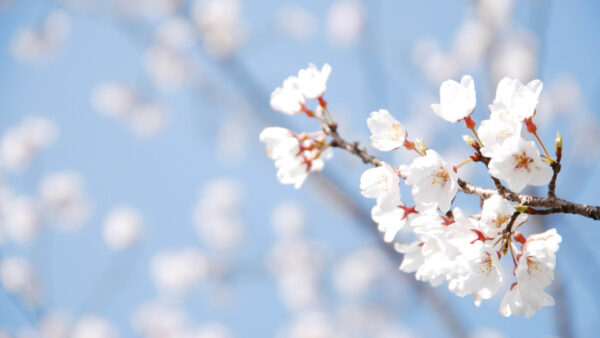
(161, 176)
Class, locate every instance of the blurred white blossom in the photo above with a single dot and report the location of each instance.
(39, 44)
(20, 217)
(21, 143)
(175, 32)
(94, 327)
(122, 227)
(217, 217)
(297, 22)
(176, 272)
(114, 99)
(158, 320)
(168, 68)
(345, 22)
(17, 276)
(219, 22)
(147, 9)
(62, 196)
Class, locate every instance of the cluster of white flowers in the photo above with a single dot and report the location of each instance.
(175, 272)
(123, 103)
(293, 261)
(39, 44)
(20, 144)
(17, 276)
(63, 198)
(162, 320)
(297, 266)
(217, 216)
(219, 25)
(451, 246)
(296, 155)
(448, 245)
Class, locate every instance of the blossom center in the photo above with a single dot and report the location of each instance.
(532, 264)
(522, 161)
(395, 132)
(486, 264)
(500, 220)
(440, 176)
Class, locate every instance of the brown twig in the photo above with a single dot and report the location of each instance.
(353, 148)
(556, 169)
(551, 205)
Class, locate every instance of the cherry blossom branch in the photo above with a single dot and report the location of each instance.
(353, 148)
(551, 205)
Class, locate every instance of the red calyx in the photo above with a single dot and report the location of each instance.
(447, 221)
(409, 145)
(408, 211)
(469, 122)
(308, 162)
(520, 238)
(322, 102)
(307, 111)
(531, 127)
(480, 236)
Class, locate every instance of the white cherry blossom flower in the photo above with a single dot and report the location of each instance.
(495, 215)
(386, 132)
(392, 220)
(312, 82)
(543, 246)
(518, 163)
(413, 256)
(438, 251)
(382, 183)
(478, 273)
(521, 299)
(295, 155)
(494, 131)
(432, 180)
(517, 99)
(122, 228)
(535, 271)
(457, 100)
(288, 99)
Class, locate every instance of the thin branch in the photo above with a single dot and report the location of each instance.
(556, 169)
(351, 147)
(553, 205)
